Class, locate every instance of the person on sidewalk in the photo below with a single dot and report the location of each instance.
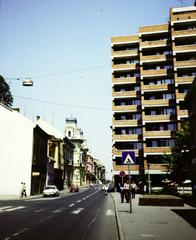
(133, 189)
(122, 193)
(23, 190)
(127, 193)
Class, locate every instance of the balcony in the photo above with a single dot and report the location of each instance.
(184, 17)
(128, 80)
(125, 137)
(180, 96)
(154, 29)
(125, 67)
(183, 33)
(157, 118)
(154, 44)
(125, 53)
(157, 134)
(125, 108)
(154, 73)
(124, 94)
(155, 102)
(124, 123)
(124, 168)
(124, 39)
(156, 168)
(185, 64)
(118, 153)
(181, 113)
(156, 150)
(154, 88)
(155, 58)
(184, 48)
(184, 80)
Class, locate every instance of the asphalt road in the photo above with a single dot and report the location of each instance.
(87, 215)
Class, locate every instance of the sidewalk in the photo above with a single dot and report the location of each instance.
(149, 222)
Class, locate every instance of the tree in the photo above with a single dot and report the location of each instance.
(5, 94)
(179, 160)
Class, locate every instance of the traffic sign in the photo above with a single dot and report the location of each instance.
(128, 158)
(122, 174)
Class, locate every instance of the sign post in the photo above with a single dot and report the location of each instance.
(128, 158)
(122, 174)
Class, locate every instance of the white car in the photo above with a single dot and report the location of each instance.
(51, 191)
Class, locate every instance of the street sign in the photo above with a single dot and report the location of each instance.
(128, 158)
(122, 174)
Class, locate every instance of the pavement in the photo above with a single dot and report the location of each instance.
(154, 222)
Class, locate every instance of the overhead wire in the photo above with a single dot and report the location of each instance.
(63, 104)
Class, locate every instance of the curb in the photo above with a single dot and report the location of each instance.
(119, 227)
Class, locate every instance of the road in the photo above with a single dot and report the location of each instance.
(86, 215)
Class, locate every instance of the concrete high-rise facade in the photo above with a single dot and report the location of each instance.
(151, 74)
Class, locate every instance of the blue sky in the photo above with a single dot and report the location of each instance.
(64, 46)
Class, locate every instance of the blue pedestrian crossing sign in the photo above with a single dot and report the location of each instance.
(128, 158)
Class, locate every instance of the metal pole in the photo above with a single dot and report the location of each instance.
(130, 198)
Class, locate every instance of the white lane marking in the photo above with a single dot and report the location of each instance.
(57, 210)
(13, 209)
(16, 234)
(109, 212)
(146, 235)
(79, 201)
(6, 207)
(77, 211)
(84, 198)
(71, 205)
(39, 210)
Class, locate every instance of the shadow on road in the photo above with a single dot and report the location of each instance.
(189, 215)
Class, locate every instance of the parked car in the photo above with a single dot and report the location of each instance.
(51, 191)
(74, 188)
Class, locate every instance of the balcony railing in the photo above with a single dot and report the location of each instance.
(121, 67)
(156, 87)
(183, 33)
(185, 48)
(125, 108)
(124, 94)
(156, 102)
(153, 44)
(118, 153)
(125, 168)
(125, 137)
(184, 79)
(124, 80)
(157, 118)
(155, 72)
(133, 122)
(160, 134)
(158, 150)
(183, 64)
(125, 53)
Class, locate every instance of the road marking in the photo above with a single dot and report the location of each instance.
(16, 234)
(146, 235)
(79, 201)
(39, 210)
(13, 209)
(71, 205)
(77, 211)
(3, 208)
(109, 212)
(84, 198)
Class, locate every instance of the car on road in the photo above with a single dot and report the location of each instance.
(51, 191)
(74, 188)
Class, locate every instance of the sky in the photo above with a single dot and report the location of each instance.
(64, 46)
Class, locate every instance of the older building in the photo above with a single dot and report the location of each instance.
(75, 134)
(151, 73)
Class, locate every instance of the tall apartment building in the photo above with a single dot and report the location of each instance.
(151, 73)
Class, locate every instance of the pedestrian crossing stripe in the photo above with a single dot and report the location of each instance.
(129, 160)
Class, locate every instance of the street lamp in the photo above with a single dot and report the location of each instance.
(27, 82)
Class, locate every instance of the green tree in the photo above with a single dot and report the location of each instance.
(5, 94)
(179, 160)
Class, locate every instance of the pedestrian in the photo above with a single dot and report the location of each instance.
(133, 189)
(127, 191)
(122, 193)
(23, 190)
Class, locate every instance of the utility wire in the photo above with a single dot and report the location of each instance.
(62, 73)
(63, 104)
